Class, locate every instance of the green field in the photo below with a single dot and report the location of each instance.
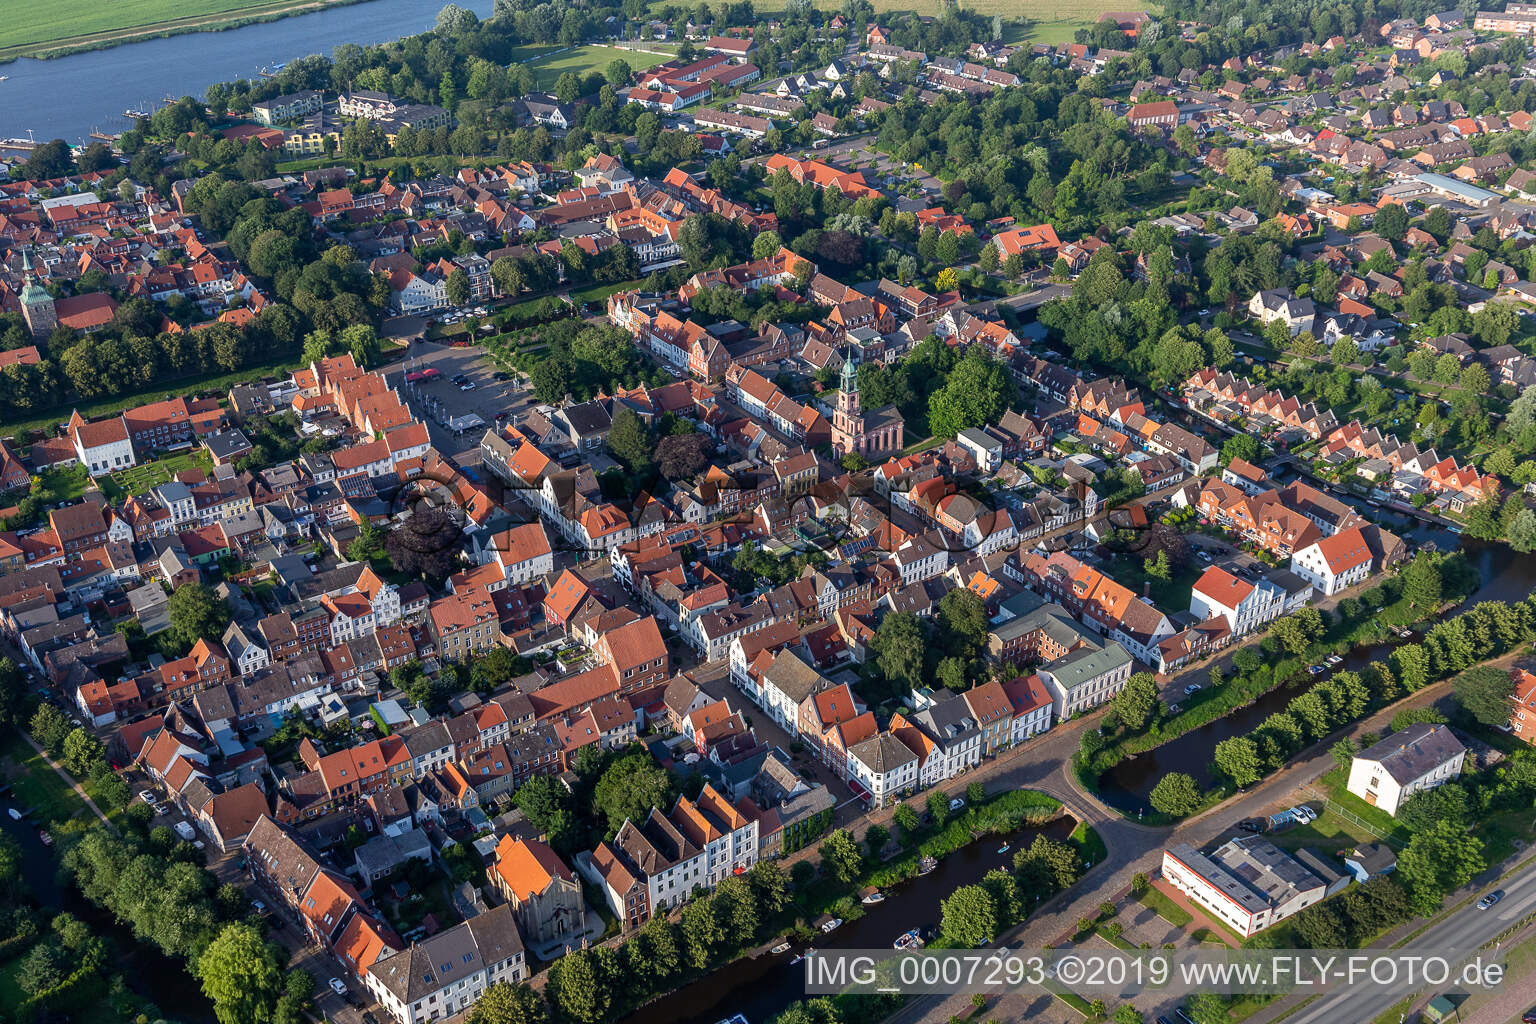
(141, 478)
(584, 59)
(58, 26)
(1051, 21)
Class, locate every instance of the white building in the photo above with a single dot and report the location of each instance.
(442, 976)
(1085, 678)
(1248, 884)
(523, 552)
(883, 767)
(1416, 758)
(1245, 605)
(102, 447)
(1334, 563)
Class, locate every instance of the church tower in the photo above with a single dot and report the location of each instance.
(37, 307)
(847, 418)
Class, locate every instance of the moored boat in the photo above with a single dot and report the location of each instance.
(910, 939)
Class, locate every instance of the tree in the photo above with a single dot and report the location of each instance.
(49, 727)
(618, 73)
(457, 287)
(426, 542)
(875, 838)
(1241, 446)
(1176, 795)
(938, 807)
(680, 456)
(1137, 704)
(579, 985)
(947, 280)
(766, 245)
(1238, 759)
(840, 856)
(977, 392)
(963, 619)
(969, 917)
(453, 19)
(1483, 692)
(240, 974)
(898, 644)
(1436, 861)
(195, 612)
(1344, 751)
(1049, 863)
(1345, 352)
(630, 440)
(1422, 582)
(906, 819)
(629, 788)
(368, 545)
(1391, 222)
(546, 804)
(81, 751)
(1128, 1014)
(1521, 532)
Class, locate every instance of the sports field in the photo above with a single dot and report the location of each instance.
(34, 27)
(583, 59)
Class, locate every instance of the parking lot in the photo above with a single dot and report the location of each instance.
(438, 401)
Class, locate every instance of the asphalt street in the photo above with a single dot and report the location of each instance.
(1458, 938)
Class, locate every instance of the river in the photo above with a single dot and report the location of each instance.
(70, 97)
(761, 987)
(150, 973)
(1507, 576)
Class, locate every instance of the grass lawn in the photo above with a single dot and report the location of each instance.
(600, 292)
(585, 59)
(1330, 833)
(11, 995)
(139, 479)
(34, 784)
(1170, 593)
(1165, 908)
(1088, 843)
(31, 28)
(1334, 783)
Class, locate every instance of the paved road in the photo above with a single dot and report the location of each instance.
(1458, 936)
(1133, 848)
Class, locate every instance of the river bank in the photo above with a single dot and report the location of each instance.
(214, 21)
(71, 96)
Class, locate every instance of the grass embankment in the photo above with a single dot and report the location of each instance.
(70, 26)
(35, 785)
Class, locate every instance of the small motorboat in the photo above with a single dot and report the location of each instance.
(831, 924)
(14, 813)
(926, 865)
(47, 839)
(1004, 848)
(910, 939)
(871, 895)
(782, 947)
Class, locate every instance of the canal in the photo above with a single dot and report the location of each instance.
(70, 97)
(1507, 576)
(763, 986)
(148, 972)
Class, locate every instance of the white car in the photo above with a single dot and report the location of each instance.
(147, 797)
(957, 804)
(338, 986)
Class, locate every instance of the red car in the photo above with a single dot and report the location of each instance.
(1529, 1016)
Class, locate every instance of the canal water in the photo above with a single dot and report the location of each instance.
(1507, 576)
(761, 987)
(70, 97)
(150, 973)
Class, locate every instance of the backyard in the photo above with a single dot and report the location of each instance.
(138, 479)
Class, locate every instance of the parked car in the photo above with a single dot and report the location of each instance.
(1490, 899)
(957, 804)
(147, 797)
(339, 987)
(1251, 825)
(1529, 1016)
(1192, 688)
(185, 830)
(259, 907)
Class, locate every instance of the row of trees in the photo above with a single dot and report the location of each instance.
(909, 651)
